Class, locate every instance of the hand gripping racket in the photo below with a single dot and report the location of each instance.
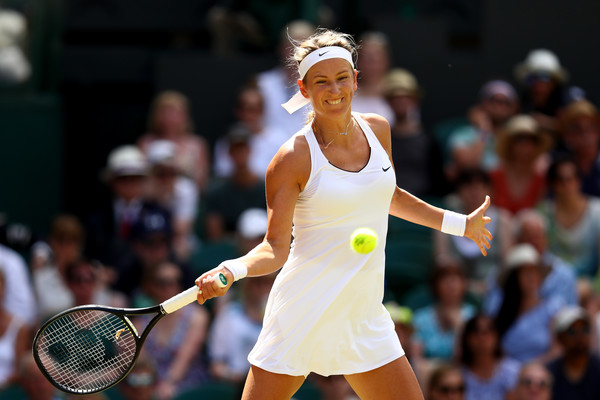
(90, 348)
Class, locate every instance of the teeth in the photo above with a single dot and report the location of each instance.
(333, 102)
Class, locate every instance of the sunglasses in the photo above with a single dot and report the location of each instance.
(576, 331)
(451, 389)
(539, 383)
(538, 77)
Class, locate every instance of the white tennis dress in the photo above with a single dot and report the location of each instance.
(325, 312)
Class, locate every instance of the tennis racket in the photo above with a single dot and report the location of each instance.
(90, 348)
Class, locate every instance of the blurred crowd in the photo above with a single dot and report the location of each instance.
(521, 323)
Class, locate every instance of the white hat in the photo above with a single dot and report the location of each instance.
(520, 255)
(162, 152)
(541, 61)
(126, 160)
(252, 223)
(566, 316)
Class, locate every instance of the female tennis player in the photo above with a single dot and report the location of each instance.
(325, 312)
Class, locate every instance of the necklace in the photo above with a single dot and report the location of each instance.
(339, 133)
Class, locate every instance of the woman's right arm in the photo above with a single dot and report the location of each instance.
(286, 176)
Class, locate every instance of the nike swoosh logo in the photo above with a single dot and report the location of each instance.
(385, 169)
(325, 52)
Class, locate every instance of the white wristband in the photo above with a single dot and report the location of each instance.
(237, 269)
(454, 223)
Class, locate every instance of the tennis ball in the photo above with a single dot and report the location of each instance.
(363, 240)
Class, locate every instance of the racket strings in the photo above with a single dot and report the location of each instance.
(87, 350)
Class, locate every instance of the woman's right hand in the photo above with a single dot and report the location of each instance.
(207, 283)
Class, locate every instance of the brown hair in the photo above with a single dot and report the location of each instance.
(170, 97)
(67, 226)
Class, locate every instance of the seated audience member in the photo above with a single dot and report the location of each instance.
(474, 145)
(109, 229)
(574, 219)
(35, 385)
(446, 382)
(519, 182)
(373, 65)
(65, 245)
(437, 325)
(264, 140)
(487, 372)
(580, 133)
(470, 188)
(170, 119)
(251, 229)
(177, 342)
(19, 298)
(84, 287)
(15, 338)
(576, 372)
(15, 68)
(141, 382)
(174, 191)
(535, 383)
(333, 387)
(529, 226)
(415, 154)
(228, 198)
(524, 318)
(543, 80)
(278, 84)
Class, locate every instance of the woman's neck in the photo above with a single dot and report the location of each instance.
(484, 365)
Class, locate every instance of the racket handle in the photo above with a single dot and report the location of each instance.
(180, 300)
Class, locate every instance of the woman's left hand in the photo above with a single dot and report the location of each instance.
(475, 228)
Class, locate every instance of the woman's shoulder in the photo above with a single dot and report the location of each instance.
(292, 157)
(375, 121)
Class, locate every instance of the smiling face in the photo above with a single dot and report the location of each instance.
(330, 85)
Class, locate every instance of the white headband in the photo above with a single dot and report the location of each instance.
(324, 53)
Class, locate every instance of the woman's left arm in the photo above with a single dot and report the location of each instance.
(406, 206)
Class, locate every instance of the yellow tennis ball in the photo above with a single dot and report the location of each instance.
(363, 240)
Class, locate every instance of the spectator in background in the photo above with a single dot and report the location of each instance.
(141, 382)
(251, 229)
(373, 65)
(170, 119)
(176, 344)
(228, 198)
(414, 152)
(15, 338)
(524, 318)
(14, 66)
(34, 383)
(65, 246)
(437, 325)
(19, 299)
(580, 133)
(278, 84)
(109, 229)
(543, 80)
(446, 383)
(488, 374)
(264, 140)
(175, 192)
(535, 383)
(471, 186)
(576, 372)
(84, 287)
(474, 145)
(574, 219)
(520, 182)
(529, 226)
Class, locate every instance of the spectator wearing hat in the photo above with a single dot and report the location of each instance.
(574, 219)
(577, 370)
(543, 79)
(373, 65)
(470, 187)
(474, 145)
(519, 182)
(488, 373)
(170, 119)
(535, 383)
(174, 191)
(264, 140)
(109, 228)
(524, 318)
(580, 135)
(227, 198)
(415, 154)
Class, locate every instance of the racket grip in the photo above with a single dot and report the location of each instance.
(180, 300)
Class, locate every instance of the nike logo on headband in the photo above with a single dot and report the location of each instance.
(325, 52)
